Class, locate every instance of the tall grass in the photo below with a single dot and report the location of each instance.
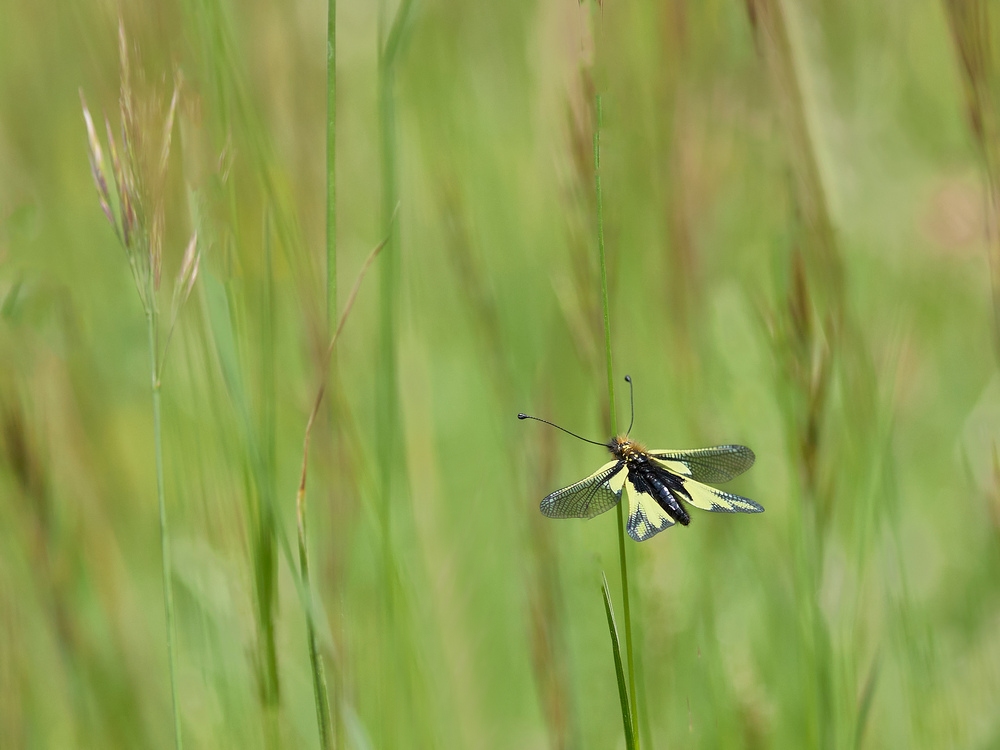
(808, 342)
(315, 657)
(631, 723)
(330, 733)
(137, 216)
(168, 594)
(793, 218)
(331, 163)
(389, 429)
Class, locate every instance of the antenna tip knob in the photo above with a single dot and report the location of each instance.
(628, 378)
(522, 416)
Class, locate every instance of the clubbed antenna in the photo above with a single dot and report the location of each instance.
(537, 419)
(631, 398)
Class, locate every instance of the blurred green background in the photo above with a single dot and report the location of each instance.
(796, 227)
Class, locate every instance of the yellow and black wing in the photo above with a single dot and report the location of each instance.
(645, 516)
(589, 497)
(716, 465)
(709, 498)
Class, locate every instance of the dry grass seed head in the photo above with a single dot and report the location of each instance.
(139, 170)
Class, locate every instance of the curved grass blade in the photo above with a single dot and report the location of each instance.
(619, 669)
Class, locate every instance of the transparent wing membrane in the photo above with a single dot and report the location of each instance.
(717, 464)
(589, 497)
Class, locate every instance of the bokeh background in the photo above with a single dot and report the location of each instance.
(798, 226)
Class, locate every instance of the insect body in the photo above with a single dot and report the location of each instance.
(656, 483)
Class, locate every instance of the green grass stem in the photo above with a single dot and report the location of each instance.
(386, 417)
(331, 164)
(614, 417)
(168, 595)
(320, 690)
(388, 420)
(268, 560)
(327, 733)
(223, 333)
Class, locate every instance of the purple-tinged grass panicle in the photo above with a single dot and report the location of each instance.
(96, 156)
(140, 226)
(139, 176)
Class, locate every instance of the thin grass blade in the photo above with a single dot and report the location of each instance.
(619, 667)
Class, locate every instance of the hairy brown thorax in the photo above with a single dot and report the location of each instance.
(622, 448)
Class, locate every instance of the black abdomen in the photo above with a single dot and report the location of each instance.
(657, 485)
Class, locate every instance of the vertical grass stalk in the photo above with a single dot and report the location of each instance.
(315, 658)
(168, 594)
(386, 424)
(265, 435)
(818, 337)
(388, 402)
(388, 428)
(138, 223)
(614, 419)
(331, 165)
(386, 377)
(320, 689)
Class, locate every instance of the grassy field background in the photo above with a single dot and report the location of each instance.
(799, 255)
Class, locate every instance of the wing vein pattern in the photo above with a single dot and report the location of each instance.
(718, 501)
(589, 497)
(717, 464)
